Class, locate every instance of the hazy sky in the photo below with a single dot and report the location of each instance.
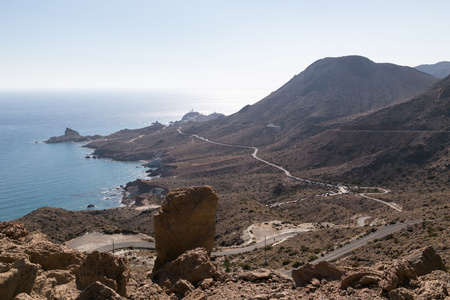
(250, 47)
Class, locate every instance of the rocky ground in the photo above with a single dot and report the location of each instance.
(31, 267)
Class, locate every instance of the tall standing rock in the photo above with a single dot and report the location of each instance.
(186, 220)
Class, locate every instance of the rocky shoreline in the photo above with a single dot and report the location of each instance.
(71, 135)
(126, 145)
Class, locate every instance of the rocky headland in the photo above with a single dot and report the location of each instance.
(194, 116)
(71, 135)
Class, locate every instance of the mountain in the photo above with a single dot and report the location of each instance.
(439, 70)
(412, 137)
(323, 96)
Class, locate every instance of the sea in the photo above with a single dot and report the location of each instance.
(34, 174)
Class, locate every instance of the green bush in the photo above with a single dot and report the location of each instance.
(389, 237)
(296, 264)
(303, 248)
(286, 262)
(312, 257)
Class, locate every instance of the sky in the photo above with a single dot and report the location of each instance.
(244, 48)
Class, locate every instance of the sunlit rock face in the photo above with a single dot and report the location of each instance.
(186, 220)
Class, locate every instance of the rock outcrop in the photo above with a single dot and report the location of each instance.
(192, 266)
(321, 270)
(31, 267)
(417, 264)
(13, 230)
(185, 221)
(98, 290)
(19, 278)
(361, 279)
(149, 290)
(70, 135)
(140, 190)
(104, 267)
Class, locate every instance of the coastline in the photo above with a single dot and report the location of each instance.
(135, 145)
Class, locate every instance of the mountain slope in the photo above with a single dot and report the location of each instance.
(439, 70)
(321, 97)
(412, 137)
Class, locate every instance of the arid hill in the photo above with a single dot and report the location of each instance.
(439, 70)
(327, 93)
(408, 138)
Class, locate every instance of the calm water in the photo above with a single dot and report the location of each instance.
(34, 175)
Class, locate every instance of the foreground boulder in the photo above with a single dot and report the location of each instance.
(105, 268)
(13, 230)
(19, 278)
(321, 270)
(417, 264)
(186, 220)
(31, 267)
(192, 266)
(148, 291)
(97, 290)
(360, 279)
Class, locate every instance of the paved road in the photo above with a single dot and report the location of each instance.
(390, 204)
(332, 256)
(340, 252)
(380, 233)
(123, 245)
(342, 189)
(151, 245)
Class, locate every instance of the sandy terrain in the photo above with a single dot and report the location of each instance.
(270, 230)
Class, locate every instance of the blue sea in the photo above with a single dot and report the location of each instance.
(34, 175)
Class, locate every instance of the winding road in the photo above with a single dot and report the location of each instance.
(342, 189)
(334, 255)
(380, 233)
(340, 252)
(390, 204)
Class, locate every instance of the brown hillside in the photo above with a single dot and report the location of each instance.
(407, 138)
(321, 97)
